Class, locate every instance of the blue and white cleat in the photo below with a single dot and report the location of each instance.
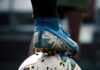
(49, 34)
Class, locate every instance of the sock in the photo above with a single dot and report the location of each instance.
(44, 8)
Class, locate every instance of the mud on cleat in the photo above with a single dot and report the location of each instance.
(49, 34)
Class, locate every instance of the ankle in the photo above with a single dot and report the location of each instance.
(51, 22)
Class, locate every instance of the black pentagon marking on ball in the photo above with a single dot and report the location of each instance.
(24, 69)
(47, 68)
(60, 63)
(63, 64)
(55, 68)
(37, 54)
(32, 67)
(27, 68)
(42, 60)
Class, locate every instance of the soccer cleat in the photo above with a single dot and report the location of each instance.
(49, 34)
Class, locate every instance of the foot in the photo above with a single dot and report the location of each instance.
(49, 34)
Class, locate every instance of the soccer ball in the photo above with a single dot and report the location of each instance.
(41, 61)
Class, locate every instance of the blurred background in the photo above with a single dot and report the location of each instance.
(16, 31)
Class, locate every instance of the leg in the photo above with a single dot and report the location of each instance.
(47, 32)
(75, 20)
